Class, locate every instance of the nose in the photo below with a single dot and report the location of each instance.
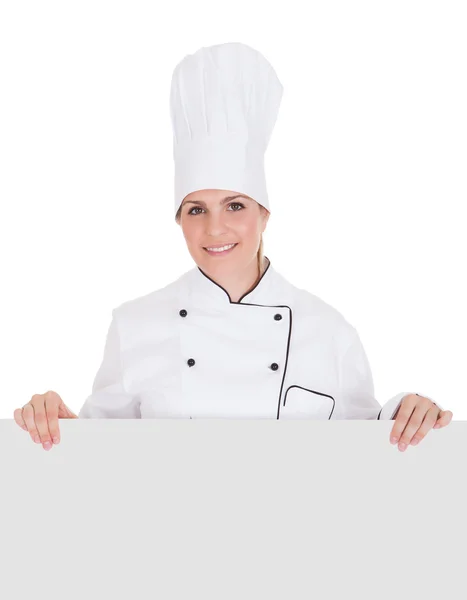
(215, 225)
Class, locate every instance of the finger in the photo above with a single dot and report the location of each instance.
(18, 416)
(51, 410)
(28, 417)
(40, 418)
(413, 424)
(444, 418)
(403, 416)
(426, 426)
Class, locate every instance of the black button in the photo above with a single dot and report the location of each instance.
(183, 313)
(274, 366)
(191, 362)
(278, 317)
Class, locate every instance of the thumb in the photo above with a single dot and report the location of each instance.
(65, 413)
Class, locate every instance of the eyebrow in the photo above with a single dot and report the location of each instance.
(226, 199)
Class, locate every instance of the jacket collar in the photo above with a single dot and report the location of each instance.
(209, 291)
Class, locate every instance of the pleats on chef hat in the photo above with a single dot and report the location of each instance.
(224, 102)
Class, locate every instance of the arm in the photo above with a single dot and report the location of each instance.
(109, 398)
(357, 386)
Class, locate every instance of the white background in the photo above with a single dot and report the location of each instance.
(366, 173)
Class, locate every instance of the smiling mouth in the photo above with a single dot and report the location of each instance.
(223, 251)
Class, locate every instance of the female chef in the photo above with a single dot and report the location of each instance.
(230, 338)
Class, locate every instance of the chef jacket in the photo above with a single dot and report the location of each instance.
(187, 351)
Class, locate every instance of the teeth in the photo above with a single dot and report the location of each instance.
(220, 249)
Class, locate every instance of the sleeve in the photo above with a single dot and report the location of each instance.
(357, 387)
(109, 398)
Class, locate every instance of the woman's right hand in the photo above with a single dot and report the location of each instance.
(40, 417)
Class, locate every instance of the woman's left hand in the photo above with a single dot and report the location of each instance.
(414, 418)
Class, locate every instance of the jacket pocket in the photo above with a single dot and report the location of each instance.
(302, 403)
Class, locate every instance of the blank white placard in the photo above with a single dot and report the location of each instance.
(232, 509)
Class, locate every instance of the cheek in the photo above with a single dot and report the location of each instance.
(248, 230)
(191, 234)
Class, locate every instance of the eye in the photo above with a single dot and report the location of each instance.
(238, 204)
(190, 212)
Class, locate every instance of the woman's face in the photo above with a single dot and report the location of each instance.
(215, 218)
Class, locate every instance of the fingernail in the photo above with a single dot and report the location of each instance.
(414, 442)
(56, 440)
(47, 445)
(394, 440)
(402, 446)
(37, 439)
(437, 426)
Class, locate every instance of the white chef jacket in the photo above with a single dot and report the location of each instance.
(188, 351)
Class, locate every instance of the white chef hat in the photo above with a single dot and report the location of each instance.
(224, 102)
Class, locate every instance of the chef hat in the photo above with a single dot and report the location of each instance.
(224, 102)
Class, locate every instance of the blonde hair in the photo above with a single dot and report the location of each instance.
(260, 258)
(260, 254)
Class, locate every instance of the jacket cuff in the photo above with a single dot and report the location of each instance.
(390, 407)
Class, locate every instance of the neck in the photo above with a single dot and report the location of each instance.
(237, 285)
